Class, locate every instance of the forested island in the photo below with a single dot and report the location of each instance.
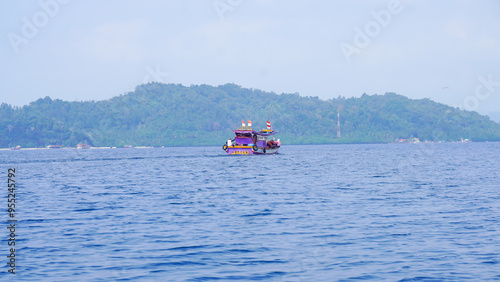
(157, 114)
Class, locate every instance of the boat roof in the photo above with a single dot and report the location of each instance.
(243, 131)
(264, 132)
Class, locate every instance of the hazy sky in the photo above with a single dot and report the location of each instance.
(448, 51)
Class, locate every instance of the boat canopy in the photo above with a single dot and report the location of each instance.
(264, 133)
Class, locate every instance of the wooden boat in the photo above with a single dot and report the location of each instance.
(248, 141)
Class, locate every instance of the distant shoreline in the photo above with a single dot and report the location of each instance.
(152, 147)
(74, 148)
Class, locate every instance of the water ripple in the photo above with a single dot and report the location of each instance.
(310, 213)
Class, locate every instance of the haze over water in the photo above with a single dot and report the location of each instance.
(395, 212)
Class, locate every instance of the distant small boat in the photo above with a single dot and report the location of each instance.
(54, 147)
(83, 146)
(16, 148)
(248, 141)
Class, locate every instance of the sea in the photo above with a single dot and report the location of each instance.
(366, 212)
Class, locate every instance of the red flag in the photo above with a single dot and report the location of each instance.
(242, 123)
(268, 125)
(249, 123)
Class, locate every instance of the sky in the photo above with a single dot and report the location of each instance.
(448, 51)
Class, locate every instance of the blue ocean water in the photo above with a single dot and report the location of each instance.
(392, 212)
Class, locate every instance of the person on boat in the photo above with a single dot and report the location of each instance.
(279, 143)
(271, 144)
(229, 142)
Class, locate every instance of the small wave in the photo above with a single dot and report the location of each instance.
(186, 248)
(423, 279)
(262, 213)
(177, 263)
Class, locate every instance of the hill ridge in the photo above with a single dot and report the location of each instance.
(157, 114)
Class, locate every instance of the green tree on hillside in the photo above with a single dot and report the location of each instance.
(158, 114)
